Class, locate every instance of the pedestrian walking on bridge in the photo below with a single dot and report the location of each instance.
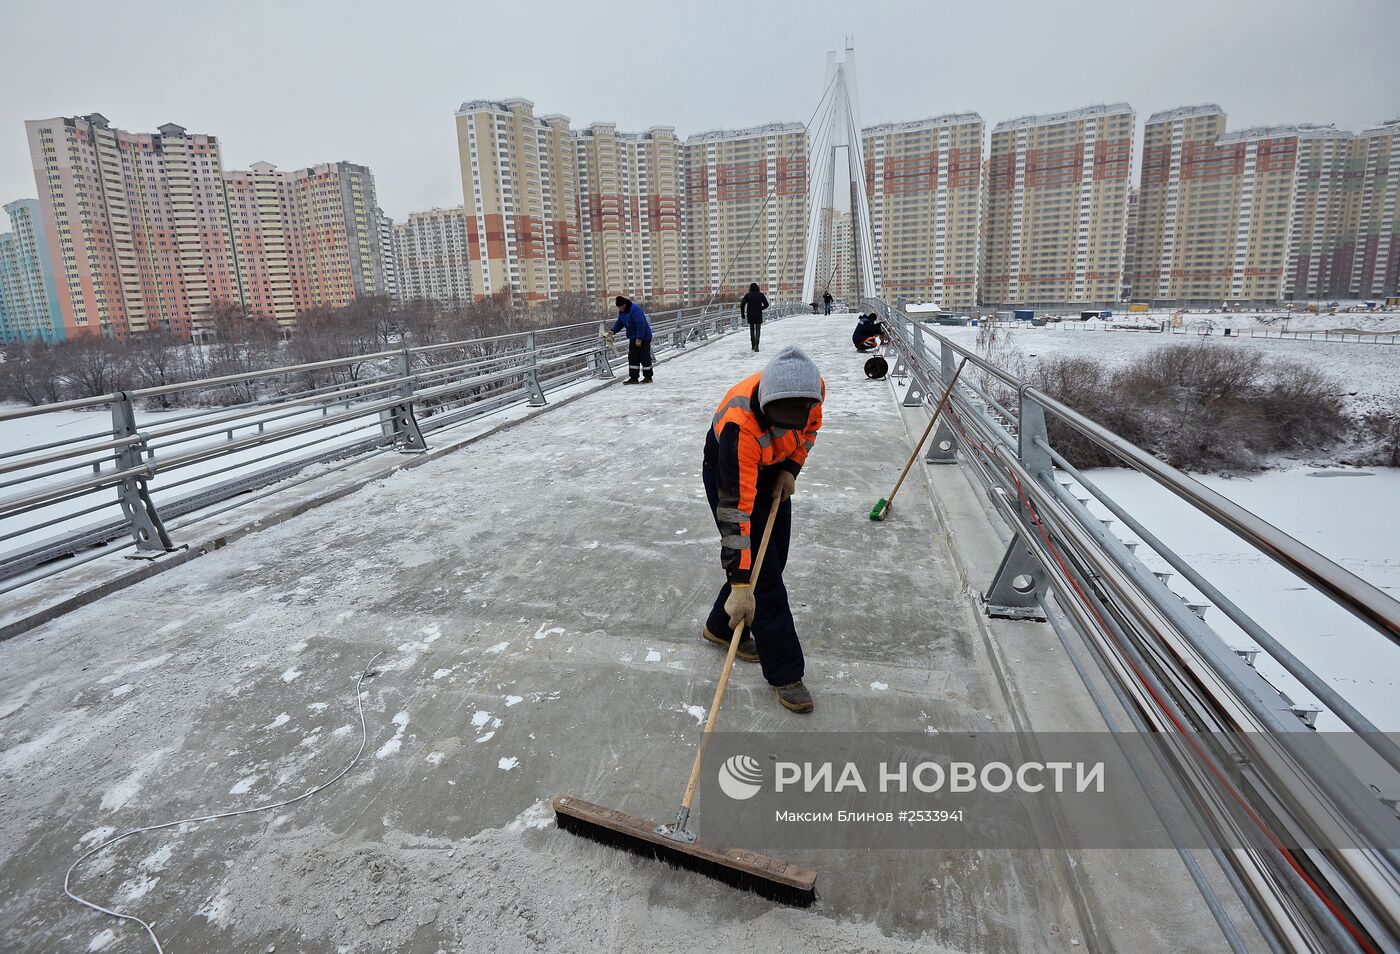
(631, 318)
(756, 445)
(751, 308)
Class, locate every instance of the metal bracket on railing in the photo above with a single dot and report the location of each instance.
(532, 375)
(918, 391)
(1032, 440)
(140, 511)
(678, 333)
(1017, 585)
(602, 365)
(400, 423)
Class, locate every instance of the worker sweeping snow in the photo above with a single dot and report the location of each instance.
(756, 445)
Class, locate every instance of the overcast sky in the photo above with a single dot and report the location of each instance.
(377, 82)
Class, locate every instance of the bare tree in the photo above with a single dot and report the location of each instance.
(90, 365)
(29, 373)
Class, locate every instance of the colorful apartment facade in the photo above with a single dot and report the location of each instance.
(149, 232)
(520, 186)
(1249, 216)
(1375, 269)
(745, 211)
(433, 257)
(630, 211)
(29, 308)
(1056, 207)
(924, 184)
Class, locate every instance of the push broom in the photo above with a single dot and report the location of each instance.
(676, 843)
(881, 510)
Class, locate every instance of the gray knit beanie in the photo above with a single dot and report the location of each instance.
(790, 375)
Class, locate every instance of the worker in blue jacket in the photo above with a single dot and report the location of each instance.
(631, 317)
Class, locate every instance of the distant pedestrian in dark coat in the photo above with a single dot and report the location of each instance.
(751, 307)
(827, 300)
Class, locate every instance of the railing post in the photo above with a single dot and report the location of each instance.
(602, 364)
(135, 498)
(943, 447)
(532, 376)
(678, 333)
(1020, 580)
(399, 422)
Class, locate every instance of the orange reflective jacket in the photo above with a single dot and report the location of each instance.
(745, 441)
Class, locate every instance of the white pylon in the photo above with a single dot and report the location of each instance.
(837, 126)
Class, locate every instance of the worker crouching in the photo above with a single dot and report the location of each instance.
(757, 443)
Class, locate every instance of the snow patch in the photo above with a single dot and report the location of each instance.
(696, 712)
(480, 718)
(123, 689)
(435, 758)
(132, 668)
(653, 656)
(278, 722)
(291, 675)
(124, 791)
(538, 815)
(442, 674)
(514, 701)
(507, 763)
(487, 737)
(498, 648)
(102, 941)
(390, 747)
(244, 785)
(879, 686)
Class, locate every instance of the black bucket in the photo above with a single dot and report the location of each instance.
(876, 368)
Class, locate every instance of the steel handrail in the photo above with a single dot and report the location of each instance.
(1367, 602)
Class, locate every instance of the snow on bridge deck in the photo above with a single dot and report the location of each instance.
(537, 597)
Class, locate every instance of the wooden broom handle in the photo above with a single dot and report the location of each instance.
(728, 667)
(928, 430)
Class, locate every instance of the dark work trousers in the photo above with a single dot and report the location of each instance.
(639, 357)
(755, 329)
(779, 651)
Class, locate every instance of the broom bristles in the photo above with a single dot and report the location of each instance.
(877, 512)
(677, 856)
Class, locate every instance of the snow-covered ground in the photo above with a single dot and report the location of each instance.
(1369, 373)
(1350, 516)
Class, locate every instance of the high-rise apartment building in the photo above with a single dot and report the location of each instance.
(520, 184)
(836, 253)
(1375, 270)
(629, 187)
(1323, 217)
(1174, 141)
(149, 232)
(1056, 207)
(29, 307)
(924, 183)
(388, 256)
(304, 238)
(1254, 215)
(136, 223)
(745, 210)
(433, 258)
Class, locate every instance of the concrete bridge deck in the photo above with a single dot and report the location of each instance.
(537, 599)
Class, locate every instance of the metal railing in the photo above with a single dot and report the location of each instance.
(1239, 758)
(66, 500)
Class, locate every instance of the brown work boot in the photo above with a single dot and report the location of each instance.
(794, 696)
(748, 649)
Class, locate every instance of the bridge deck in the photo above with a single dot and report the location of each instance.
(537, 597)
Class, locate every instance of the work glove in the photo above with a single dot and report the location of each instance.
(609, 337)
(740, 605)
(785, 486)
